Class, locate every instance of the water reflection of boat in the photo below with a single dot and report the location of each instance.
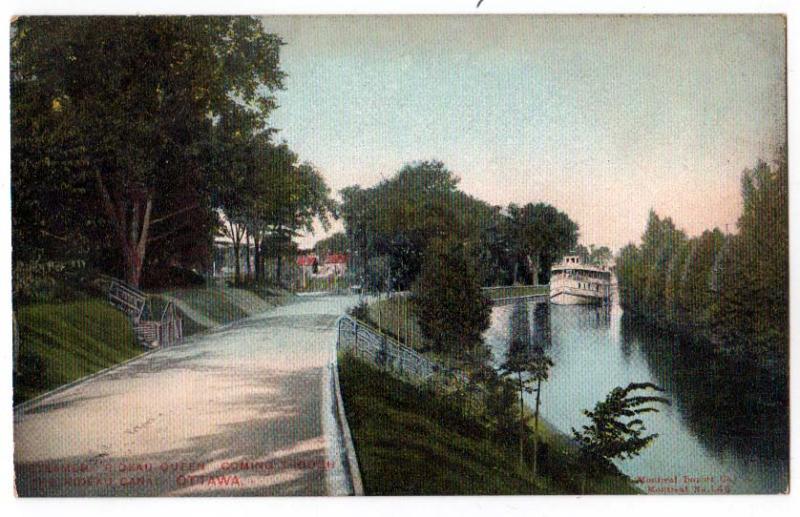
(573, 282)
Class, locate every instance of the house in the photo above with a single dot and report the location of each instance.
(335, 264)
(309, 264)
(223, 258)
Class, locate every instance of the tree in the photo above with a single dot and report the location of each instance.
(753, 317)
(616, 430)
(299, 196)
(141, 95)
(541, 235)
(447, 300)
(725, 293)
(529, 365)
(401, 215)
(600, 255)
(336, 243)
(267, 195)
(236, 139)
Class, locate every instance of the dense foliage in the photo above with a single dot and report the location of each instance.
(616, 429)
(447, 300)
(728, 291)
(131, 135)
(401, 215)
(117, 113)
(540, 235)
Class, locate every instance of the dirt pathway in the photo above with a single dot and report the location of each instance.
(244, 410)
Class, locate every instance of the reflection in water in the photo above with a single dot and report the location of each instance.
(714, 400)
(705, 433)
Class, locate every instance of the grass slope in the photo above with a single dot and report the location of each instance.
(62, 342)
(410, 441)
(212, 306)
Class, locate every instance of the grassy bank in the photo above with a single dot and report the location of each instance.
(207, 307)
(62, 342)
(410, 440)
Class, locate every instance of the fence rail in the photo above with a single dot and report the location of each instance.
(528, 298)
(149, 332)
(386, 352)
(127, 298)
(170, 326)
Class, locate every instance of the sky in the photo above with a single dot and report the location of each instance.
(602, 117)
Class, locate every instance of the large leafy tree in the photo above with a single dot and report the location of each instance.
(447, 300)
(540, 235)
(140, 96)
(401, 215)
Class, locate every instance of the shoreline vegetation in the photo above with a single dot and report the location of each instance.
(560, 451)
(724, 298)
(411, 440)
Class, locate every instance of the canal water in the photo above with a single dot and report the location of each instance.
(598, 349)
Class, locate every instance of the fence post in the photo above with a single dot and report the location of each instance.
(338, 335)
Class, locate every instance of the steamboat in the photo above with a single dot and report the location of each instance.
(574, 282)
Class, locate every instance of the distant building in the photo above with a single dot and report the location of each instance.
(224, 261)
(335, 264)
(309, 264)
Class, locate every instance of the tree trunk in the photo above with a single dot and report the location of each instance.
(278, 269)
(132, 235)
(236, 237)
(247, 265)
(257, 251)
(536, 429)
(521, 420)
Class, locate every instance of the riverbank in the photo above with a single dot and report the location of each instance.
(727, 407)
(394, 318)
(412, 441)
(698, 435)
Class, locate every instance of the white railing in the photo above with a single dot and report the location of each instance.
(150, 333)
(513, 293)
(368, 343)
(127, 298)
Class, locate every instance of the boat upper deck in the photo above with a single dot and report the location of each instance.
(573, 263)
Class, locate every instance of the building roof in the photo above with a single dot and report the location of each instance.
(306, 260)
(336, 258)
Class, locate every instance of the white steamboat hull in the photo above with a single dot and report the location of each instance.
(567, 296)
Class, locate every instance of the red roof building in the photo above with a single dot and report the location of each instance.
(336, 258)
(306, 260)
